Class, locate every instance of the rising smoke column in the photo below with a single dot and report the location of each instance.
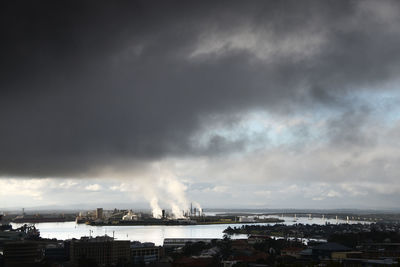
(149, 187)
(155, 208)
(175, 191)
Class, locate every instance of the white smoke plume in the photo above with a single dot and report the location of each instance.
(156, 210)
(174, 193)
(176, 211)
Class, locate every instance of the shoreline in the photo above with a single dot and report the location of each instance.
(180, 223)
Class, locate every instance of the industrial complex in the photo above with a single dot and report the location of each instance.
(191, 216)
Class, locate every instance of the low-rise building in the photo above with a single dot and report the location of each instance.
(325, 250)
(180, 242)
(292, 252)
(145, 252)
(254, 239)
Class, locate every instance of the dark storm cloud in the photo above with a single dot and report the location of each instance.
(347, 130)
(88, 83)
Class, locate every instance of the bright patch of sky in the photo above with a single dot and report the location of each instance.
(260, 129)
(384, 103)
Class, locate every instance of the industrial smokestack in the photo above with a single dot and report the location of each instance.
(198, 207)
(163, 214)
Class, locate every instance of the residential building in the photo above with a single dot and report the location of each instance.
(104, 250)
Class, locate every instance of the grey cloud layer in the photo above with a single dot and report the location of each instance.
(91, 83)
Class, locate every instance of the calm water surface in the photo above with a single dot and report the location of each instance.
(152, 233)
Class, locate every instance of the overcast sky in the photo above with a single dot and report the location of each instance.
(250, 104)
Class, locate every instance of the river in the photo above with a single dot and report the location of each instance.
(152, 233)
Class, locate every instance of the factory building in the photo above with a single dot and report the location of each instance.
(130, 216)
